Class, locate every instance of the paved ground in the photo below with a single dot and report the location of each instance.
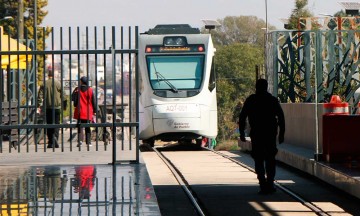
(228, 189)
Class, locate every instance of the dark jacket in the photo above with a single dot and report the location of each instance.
(265, 115)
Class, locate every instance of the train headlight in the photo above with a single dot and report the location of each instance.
(175, 41)
(169, 42)
(179, 41)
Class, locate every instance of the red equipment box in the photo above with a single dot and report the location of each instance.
(341, 141)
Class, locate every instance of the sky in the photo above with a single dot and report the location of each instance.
(147, 13)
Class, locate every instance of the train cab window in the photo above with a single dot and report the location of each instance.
(175, 72)
(212, 80)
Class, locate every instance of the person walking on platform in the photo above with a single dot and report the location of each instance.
(84, 101)
(265, 115)
(49, 96)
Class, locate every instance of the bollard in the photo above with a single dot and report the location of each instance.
(336, 107)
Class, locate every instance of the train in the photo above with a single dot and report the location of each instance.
(177, 85)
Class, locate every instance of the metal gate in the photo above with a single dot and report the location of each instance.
(106, 56)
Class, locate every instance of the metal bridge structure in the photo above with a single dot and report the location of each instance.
(312, 65)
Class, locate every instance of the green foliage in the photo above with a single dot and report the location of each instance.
(227, 145)
(300, 11)
(239, 29)
(66, 113)
(235, 68)
(340, 13)
(9, 8)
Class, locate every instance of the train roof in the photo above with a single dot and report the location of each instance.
(172, 29)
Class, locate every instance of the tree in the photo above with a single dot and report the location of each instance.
(300, 11)
(9, 8)
(239, 29)
(235, 68)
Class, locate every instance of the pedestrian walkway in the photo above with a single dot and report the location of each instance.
(345, 176)
(226, 188)
(121, 189)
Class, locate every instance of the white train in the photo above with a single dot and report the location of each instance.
(177, 85)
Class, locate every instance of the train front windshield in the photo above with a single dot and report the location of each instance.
(175, 71)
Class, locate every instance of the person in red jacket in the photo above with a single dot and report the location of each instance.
(84, 101)
(84, 180)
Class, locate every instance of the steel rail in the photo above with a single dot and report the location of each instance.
(309, 205)
(181, 180)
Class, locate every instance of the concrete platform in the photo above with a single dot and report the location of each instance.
(49, 183)
(344, 176)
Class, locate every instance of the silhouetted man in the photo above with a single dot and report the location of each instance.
(265, 115)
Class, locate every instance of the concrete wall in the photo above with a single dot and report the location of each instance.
(300, 125)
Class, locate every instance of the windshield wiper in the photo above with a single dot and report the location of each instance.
(158, 74)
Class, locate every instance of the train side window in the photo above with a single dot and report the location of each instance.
(212, 80)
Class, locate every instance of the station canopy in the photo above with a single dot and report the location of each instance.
(14, 61)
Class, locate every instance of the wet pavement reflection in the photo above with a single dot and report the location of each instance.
(77, 190)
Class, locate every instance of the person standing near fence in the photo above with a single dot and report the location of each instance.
(84, 101)
(49, 96)
(265, 115)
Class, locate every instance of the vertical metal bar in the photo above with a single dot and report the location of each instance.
(97, 195)
(44, 85)
(319, 91)
(130, 95)
(307, 60)
(35, 64)
(106, 198)
(137, 91)
(122, 189)
(70, 91)
(79, 86)
(62, 88)
(71, 195)
(86, 64)
(26, 76)
(104, 64)
(114, 176)
(130, 194)
(122, 86)
(97, 90)
(53, 94)
(19, 91)
(52, 180)
(318, 83)
(62, 180)
(45, 193)
(275, 65)
(89, 115)
(331, 64)
(35, 24)
(113, 100)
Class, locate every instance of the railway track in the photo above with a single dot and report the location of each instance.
(286, 190)
(200, 202)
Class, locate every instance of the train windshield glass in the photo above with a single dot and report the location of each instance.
(175, 72)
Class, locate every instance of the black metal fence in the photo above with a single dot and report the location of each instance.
(106, 56)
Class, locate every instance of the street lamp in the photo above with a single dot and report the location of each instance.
(21, 19)
(3, 19)
(211, 24)
(264, 68)
(6, 18)
(266, 38)
(266, 17)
